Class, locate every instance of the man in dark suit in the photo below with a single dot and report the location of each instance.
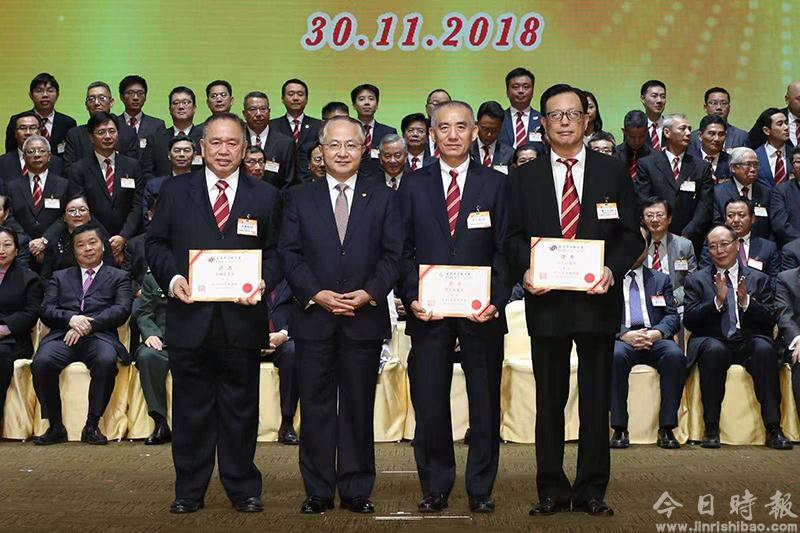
(365, 99)
(44, 92)
(133, 93)
(155, 159)
(756, 136)
(303, 130)
(415, 132)
(790, 255)
(219, 96)
(650, 321)
(712, 135)
(787, 300)
(633, 146)
(12, 164)
(785, 205)
(717, 102)
(745, 184)
(280, 169)
(653, 96)
(487, 150)
(730, 311)
(560, 196)
(111, 182)
(83, 306)
(23, 240)
(775, 163)
(393, 159)
(440, 229)
(214, 346)
(520, 121)
(684, 181)
(182, 151)
(340, 246)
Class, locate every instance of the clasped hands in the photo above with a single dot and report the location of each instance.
(641, 339)
(79, 326)
(342, 304)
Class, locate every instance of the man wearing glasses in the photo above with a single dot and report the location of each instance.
(219, 96)
(12, 164)
(718, 103)
(133, 93)
(745, 185)
(280, 155)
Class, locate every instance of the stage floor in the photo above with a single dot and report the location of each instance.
(128, 486)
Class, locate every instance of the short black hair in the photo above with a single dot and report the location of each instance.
(96, 84)
(330, 107)
(635, 119)
(255, 94)
(133, 79)
(652, 83)
(437, 91)
(89, 226)
(180, 138)
(765, 118)
(726, 226)
(518, 72)
(708, 120)
(740, 200)
(44, 78)
(98, 118)
(561, 88)
(409, 119)
(293, 80)
(253, 149)
(656, 200)
(795, 151)
(598, 121)
(6, 202)
(11, 233)
(716, 90)
(26, 114)
(181, 89)
(365, 87)
(603, 136)
(219, 82)
(524, 147)
(491, 109)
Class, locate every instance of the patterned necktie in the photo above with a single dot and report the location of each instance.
(394, 184)
(436, 152)
(414, 163)
(746, 192)
(45, 133)
(221, 208)
(453, 201)
(258, 140)
(341, 212)
(710, 159)
(780, 168)
(632, 169)
(24, 169)
(656, 264)
(133, 122)
(676, 172)
(296, 130)
(635, 301)
(654, 140)
(87, 284)
(368, 136)
(797, 132)
(729, 314)
(742, 253)
(520, 131)
(487, 157)
(109, 177)
(570, 203)
(37, 192)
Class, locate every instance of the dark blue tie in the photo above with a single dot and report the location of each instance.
(635, 300)
(729, 316)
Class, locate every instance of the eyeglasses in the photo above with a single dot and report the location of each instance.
(720, 245)
(29, 128)
(316, 160)
(135, 93)
(603, 150)
(42, 90)
(75, 211)
(350, 146)
(215, 96)
(101, 98)
(655, 216)
(256, 109)
(573, 115)
(186, 102)
(33, 151)
(747, 164)
(721, 103)
(419, 131)
(259, 162)
(102, 132)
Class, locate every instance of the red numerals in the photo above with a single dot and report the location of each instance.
(411, 27)
(505, 31)
(480, 30)
(454, 23)
(384, 38)
(529, 31)
(316, 36)
(344, 30)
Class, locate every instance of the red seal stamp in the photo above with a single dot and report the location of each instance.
(589, 278)
(247, 288)
(476, 304)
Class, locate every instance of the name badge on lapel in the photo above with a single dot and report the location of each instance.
(127, 183)
(681, 264)
(272, 166)
(501, 168)
(658, 300)
(61, 147)
(761, 211)
(374, 153)
(479, 219)
(52, 203)
(142, 143)
(247, 227)
(689, 186)
(534, 137)
(197, 160)
(607, 211)
(755, 263)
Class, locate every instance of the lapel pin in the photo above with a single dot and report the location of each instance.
(363, 195)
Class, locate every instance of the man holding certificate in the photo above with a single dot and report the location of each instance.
(454, 280)
(212, 248)
(573, 221)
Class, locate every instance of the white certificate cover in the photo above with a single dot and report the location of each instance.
(455, 291)
(566, 264)
(224, 275)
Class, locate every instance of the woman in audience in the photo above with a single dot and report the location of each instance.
(20, 300)
(523, 154)
(595, 122)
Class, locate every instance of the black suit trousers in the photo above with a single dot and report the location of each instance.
(551, 371)
(215, 411)
(8, 354)
(430, 371)
(337, 448)
(285, 361)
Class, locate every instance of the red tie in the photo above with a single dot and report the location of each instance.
(742, 253)
(182, 133)
(258, 140)
(414, 163)
(746, 192)
(710, 159)
(24, 169)
(368, 136)
(436, 152)
(632, 169)
(44, 132)
(109, 177)
(656, 265)
(453, 202)
(221, 209)
(570, 203)
(654, 138)
(394, 184)
(296, 130)
(780, 168)
(37, 193)
(797, 132)
(676, 172)
(133, 122)
(487, 158)
(520, 131)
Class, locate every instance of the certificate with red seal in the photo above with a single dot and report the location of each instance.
(224, 275)
(566, 264)
(454, 291)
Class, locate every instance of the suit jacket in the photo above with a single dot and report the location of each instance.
(314, 258)
(155, 161)
(309, 137)
(79, 145)
(723, 170)
(765, 170)
(662, 318)
(152, 317)
(503, 154)
(508, 135)
(703, 320)
(785, 211)
(281, 305)
(680, 248)
(108, 302)
(58, 132)
(734, 138)
(10, 168)
(280, 148)
(135, 262)
(58, 252)
(44, 221)
(184, 221)
(790, 255)
(534, 212)
(427, 159)
(379, 131)
(147, 126)
(761, 196)
(787, 302)
(625, 153)
(20, 300)
(428, 242)
(691, 210)
(762, 250)
(756, 137)
(120, 213)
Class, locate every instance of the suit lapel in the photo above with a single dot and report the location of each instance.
(755, 248)
(361, 198)
(26, 193)
(589, 198)
(100, 278)
(472, 189)
(662, 161)
(687, 168)
(100, 178)
(436, 196)
(322, 198)
(241, 204)
(649, 290)
(199, 196)
(551, 209)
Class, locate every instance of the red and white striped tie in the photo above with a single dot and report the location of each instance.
(797, 132)
(656, 265)
(654, 140)
(676, 172)
(37, 192)
(487, 158)
(632, 169)
(109, 177)
(414, 163)
(45, 133)
(453, 201)
(570, 203)
(296, 130)
(368, 136)
(519, 131)
(780, 168)
(221, 209)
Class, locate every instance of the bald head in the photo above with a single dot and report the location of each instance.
(793, 98)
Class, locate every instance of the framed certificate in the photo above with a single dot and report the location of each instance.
(455, 291)
(566, 264)
(224, 275)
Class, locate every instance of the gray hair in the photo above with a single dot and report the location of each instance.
(737, 154)
(341, 118)
(447, 105)
(35, 138)
(392, 138)
(225, 116)
(671, 120)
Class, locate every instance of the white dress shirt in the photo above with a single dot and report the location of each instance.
(101, 159)
(263, 135)
(21, 158)
(461, 179)
(431, 149)
(714, 162)
(42, 180)
(290, 119)
(671, 158)
(482, 151)
(348, 193)
(659, 130)
(772, 157)
(138, 118)
(177, 131)
(47, 121)
(526, 118)
(560, 174)
(793, 120)
(733, 272)
(739, 188)
(626, 291)
(389, 180)
(84, 275)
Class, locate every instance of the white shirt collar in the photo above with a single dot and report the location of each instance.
(333, 182)
(101, 159)
(137, 116)
(746, 238)
(492, 147)
(771, 150)
(264, 134)
(49, 117)
(525, 112)
(580, 156)
(639, 271)
(672, 156)
(705, 155)
(212, 179)
(95, 268)
(733, 271)
(461, 169)
(291, 119)
(42, 175)
(176, 130)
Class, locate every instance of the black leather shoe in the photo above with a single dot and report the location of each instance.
(250, 505)
(316, 505)
(161, 435)
(93, 435)
(594, 507)
(53, 435)
(667, 440)
(777, 440)
(287, 435)
(466, 437)
(620, 439)
(184, 505)
(481, 504)
(432, 503)
(710, 439)
(548, 506)
(359, 504)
